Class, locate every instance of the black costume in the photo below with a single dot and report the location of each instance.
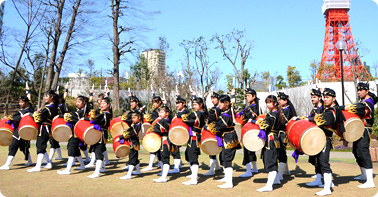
(162, 128)
(213, 114)
(195, 121)
(44, 119)
(131, 135)
(250, 112)
(313, 159)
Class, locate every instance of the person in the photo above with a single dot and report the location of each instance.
(17, 141)
(213, 114)
(72, 118)
(270, 127)
(224, 126)
(162, 128)
(101, 120)
(182, 110)
(195, 121)
(331, 119)
(289, 112)
(156, 104)
(249, 114)
(365, 110)
(43, 117)
(131, 135)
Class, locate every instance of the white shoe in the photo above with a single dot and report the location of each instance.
(226, 185)
(174, 171)
(281, 169)
(272, 176)
(148, 168)
(254, 167)
(35, 169)
(58, 158)
(316, 182)
(48, 165)
(228, 179)
(266, 188)
(90, 165)
(222, 180)
(125, 168)
(137, 172)
(125, 177)
(327, 185)
(80, 168)
(29, 163)
(102, 170)
(160, 180)
(324, 192)
(189, 176)
(94, 175)
(313, 176)
(87, 160)
(209, 173)
(246, 174)
(192, 181)
(362, 176)
(4, 167)
(63, 172)
(322, 185)
(369, 180)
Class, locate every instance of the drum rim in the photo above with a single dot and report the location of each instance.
(121, 146)
(7, 129)
(350, 120)
(28, 126)
(53, 132)
(288, 130)
(85, 132)
(181, 127)
(146, 138)
(9, 132)
(300, 141)
(117, 123)
(260, 139)
(213, 140)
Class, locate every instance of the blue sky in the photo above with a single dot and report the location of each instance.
(284, 32)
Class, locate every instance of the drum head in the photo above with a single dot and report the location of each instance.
(62, 133)
(210, 147)
(354, 129)
(312, 141)
(122, 151)
(238, 129)
(28, 132)
(252, 142)
(151, 142)
(118, 128)
(178, 135)
(145, 127)
(92, 136)
(5, 137)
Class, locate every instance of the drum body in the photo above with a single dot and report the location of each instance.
(120, 150)
(209, 143)
(260, 117)
(354, 127)
(151, 142)
(250, 139)
(6, 133)
(117, 126)
(306, 136)
(86, 133)
(238, 126)
(178, 132)
(60, 131)
(27, 129)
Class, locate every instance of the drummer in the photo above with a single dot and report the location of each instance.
(214, 113)
(156, 104)
(365, 110)
(131, 135)
(289, 112)
(100, 118)
(162, 128)
(43, 117)
(331, 119)
(270, 126)
(82, 110)
(182, 110)
(249, 114)
(17, 142)
(225, 126)
(195, 121)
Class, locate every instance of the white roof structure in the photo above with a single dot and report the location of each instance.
(335, 4)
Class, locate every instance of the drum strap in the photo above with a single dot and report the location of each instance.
(17, 138)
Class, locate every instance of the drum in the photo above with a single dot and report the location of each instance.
(209, 143)
(178, 132)
(86, 133)
(238, 126)
(145, 126)
(60, 131)
(250, 139)
(117, 126)
(260, 117)
(6, 133)
(306, 136)
(354, 127)
(27, 129)
(120, 150)
(151, 142)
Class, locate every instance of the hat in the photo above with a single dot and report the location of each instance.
(362, 86)
(316, 92)
(179, 99)
(134, 99)
(214, 94)
(224, 97)
(24, 98)
(329, 92)
(250, 91)
(282, 96)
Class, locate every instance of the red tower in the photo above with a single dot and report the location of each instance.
(338, 28)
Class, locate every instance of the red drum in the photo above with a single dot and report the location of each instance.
(306, 136)
(86, 133)
(178, 132)
(145, 126)
(209, 143)
(117, 126)
(238, 126)
(6, 133)
(260, 117)
(151, 142)
(27, 129)
(250, 139)
(354, 127)
(120, 150)
(60, 131)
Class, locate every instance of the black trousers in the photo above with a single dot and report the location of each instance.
(176, 154)
(73, 147)
(323, 164)
(99, 149)
(54, 143)
(227, 156)
(248, 156)
(270, 153)
(192, 152)
(361, 150)
(313, 160)
(21, 144)
(164, 154)
(282, 138)
(43, 138)
(133, 157)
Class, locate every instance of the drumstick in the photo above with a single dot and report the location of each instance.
(152, 89)
(190, 88)
(57, 88)
(26, 85)
(233, 82)
(106, 84)
(92, 86)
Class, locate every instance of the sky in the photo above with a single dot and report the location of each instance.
(284, 33)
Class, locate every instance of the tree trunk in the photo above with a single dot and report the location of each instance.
(116, 53)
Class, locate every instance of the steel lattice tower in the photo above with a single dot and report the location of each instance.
(338, 28)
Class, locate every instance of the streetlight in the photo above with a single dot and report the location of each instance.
(341, 45)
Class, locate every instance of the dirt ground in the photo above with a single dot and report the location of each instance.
(18, 182)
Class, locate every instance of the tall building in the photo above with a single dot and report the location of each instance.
(2, 2)
(155, 60)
